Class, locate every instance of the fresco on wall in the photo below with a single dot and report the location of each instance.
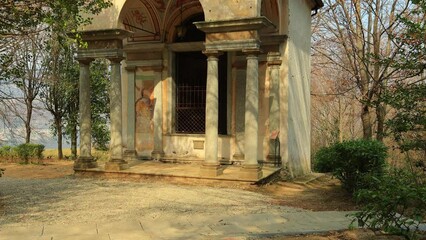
(144, 93)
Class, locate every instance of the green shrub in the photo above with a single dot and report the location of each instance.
(5, 151)
(395, 203)
(29, 151)
(324, 160)
(351, 161)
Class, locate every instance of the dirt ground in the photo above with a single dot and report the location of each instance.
(322, 194)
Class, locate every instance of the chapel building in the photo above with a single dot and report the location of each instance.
(209, 81)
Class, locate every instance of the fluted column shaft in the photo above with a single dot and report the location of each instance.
(212, 109)
(116, 162)
(85, 110)
(274, 63)
(116, 144)
(211, 165)
(251, 111)
(85, 159)
(130, 152)
(251, 168)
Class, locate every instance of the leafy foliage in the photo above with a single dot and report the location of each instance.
(408, 125)
(99, 81)
(352, 161)
(28, 151)
(5, 151)
(395, 202)
(20, 17)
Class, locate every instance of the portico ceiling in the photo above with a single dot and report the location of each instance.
(155, 20)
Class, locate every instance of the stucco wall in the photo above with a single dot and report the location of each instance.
(298, 56)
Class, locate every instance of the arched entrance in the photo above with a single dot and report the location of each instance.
(190, 81)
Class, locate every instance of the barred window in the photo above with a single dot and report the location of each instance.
(191, 77)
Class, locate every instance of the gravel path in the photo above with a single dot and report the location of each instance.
(78, 200)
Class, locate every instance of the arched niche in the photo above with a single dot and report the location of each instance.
(142, 18)
(177, 14)
(271, 10)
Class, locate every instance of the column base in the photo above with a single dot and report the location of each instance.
(238, 156)
(84, 163)
(157, 155)
(207, 170)
(130, 155)
(116, 165)
(251, 172)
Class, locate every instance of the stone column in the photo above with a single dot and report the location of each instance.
(130, 152)
(158, 151)
(251, 168)
(85, 159)
(116, 162)
(274, 63)
(211, 165)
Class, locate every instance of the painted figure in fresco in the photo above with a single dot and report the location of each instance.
(145, 104)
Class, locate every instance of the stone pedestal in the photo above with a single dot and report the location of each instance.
(211, 170)
(84, 163)
(116, 165)
(251, 172)
(157, 155)
(130, 155)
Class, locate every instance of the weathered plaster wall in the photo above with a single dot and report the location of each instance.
(230, 9)
(183, 146)
(108, 18)
(297, 53)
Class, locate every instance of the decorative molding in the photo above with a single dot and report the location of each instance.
(235, 25)
(100, 53)
(145, 63)
(186, 46)
(144, 47)
(105, 34)
(232, 45)
(272, 39)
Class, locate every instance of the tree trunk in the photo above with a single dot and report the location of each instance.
(366, 121)
(381, 115)
(74, 142)
(28, 122)
(58, 123)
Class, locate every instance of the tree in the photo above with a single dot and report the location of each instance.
(58, 90)
(407, 124)
(99, 80)
(21, 17)
(357, 40)
(24, 18)
(27, 73)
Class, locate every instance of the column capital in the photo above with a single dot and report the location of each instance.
(115, 60)
(252, 51)
(130, 68)
(212, 53)
(274, 59)
(85, 61)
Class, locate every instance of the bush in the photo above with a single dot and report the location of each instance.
(352, 161)
(28, 151)
(5, 151)
(395, 203)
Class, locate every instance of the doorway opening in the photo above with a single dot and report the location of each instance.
(191, 78)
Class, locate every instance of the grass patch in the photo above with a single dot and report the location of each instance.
(101, 156)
